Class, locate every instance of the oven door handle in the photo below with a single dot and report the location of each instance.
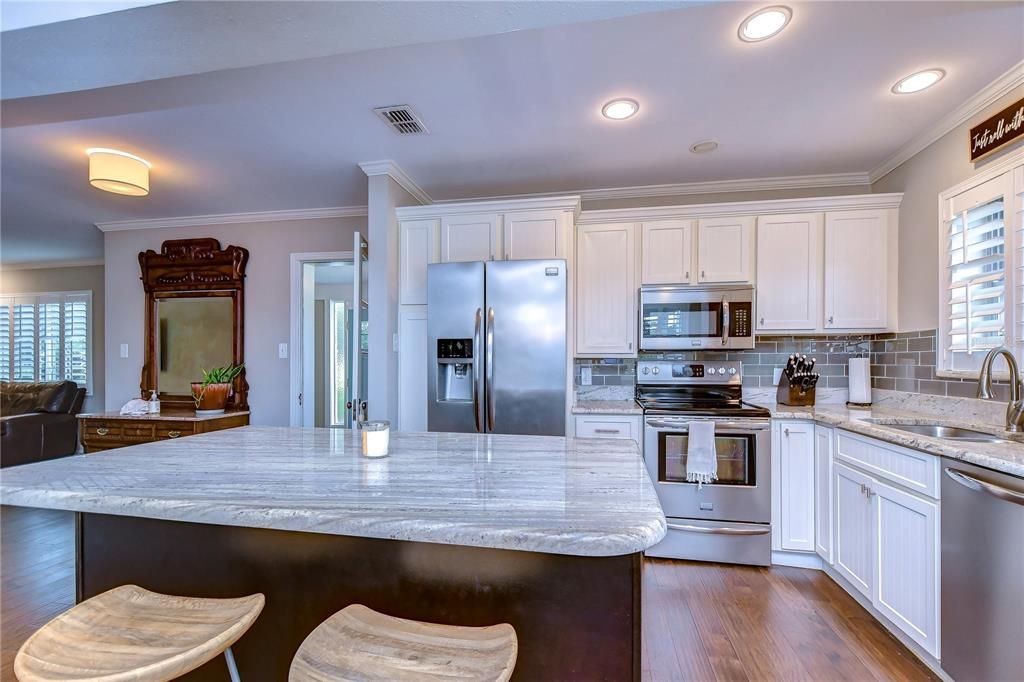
(683, 427)
(722, 530)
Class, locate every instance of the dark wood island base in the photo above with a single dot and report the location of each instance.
(576, 617)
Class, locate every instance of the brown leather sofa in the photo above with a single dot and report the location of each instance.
(37, 421)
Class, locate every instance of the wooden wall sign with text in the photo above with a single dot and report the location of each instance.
(999, 130)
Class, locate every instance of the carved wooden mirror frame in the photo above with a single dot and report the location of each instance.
(194, 268)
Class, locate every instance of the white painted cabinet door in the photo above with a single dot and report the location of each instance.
(412, 368)
(470, 237)
(853, 543)
(534, 234)
(606, 289)
(789, 278)
(418, 247)
(796, 486)
(609, 426)
(666, 252)
(823, 492)
(856, 269)
(725, 249)
(906, 578)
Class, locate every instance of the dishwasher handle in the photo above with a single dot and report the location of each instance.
(973, 483)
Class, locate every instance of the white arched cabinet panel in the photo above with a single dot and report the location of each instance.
(606, 292)
(823, 439)
(419, 248)
(470, 237)
(412, 368)
(789, 276)
(535, 235)
(854, 540)
(856, 269)
(725, 250)
(793, 486)
(666, 252)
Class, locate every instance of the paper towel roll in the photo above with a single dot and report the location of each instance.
(860, 381)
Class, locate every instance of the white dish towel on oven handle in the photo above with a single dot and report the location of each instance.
(701, 457)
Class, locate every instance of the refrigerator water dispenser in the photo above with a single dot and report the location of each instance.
(454, 370)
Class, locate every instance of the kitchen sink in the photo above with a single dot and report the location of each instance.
(948, 432)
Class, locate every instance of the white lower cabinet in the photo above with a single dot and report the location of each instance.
(823, 438)
(412, 368)
(608, 426)
(793, 492)
(854, 533)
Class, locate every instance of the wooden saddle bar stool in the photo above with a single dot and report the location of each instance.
(357, 643)
(129, 634)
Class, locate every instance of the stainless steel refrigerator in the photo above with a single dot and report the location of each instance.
(497, 353)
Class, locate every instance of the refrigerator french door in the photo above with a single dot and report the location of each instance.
(497, 347)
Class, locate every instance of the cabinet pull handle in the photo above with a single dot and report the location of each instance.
(871, 493)
(762, 321)
(702, 274)
(173, 434)
(687, 275)
(606, 431)
(786, 431)
(102, 431)
(863, 489)
(830, 319)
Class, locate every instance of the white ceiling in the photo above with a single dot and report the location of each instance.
(511, 113)
(15, 14)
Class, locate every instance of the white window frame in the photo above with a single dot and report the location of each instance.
(1010, 172)
(62, 296)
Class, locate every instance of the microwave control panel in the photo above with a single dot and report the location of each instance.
(739, 319)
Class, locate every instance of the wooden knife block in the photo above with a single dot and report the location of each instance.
(790, 394)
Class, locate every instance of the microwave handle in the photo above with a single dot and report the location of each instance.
(725, 321)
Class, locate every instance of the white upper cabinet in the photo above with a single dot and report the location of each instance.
(725, 250)
(470, 237)
(789, 277)
(857, 269)
(419, 247)
(666, 252)
(535, 235)
(606, 289)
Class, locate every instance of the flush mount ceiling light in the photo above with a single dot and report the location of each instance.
(764, 23)
(619, 109)
(703, 147)
(119, 172)
(916, 82)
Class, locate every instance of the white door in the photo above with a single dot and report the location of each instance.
(412, 368)
(854, 538)
(796, 486)
(856, 269)
(469, 237)
(666, 252)
(906, 582)
(357, 407)
(725, 249)
(419, 246)
(823, 492)
(789, 278)
(534, 235)
(606, 290)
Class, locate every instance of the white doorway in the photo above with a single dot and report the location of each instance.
(327, 330)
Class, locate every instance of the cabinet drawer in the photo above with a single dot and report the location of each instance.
(917, 471)
(98, 429)
(174, 429)
(608, 426)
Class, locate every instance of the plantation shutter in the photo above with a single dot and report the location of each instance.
(977, 278)
(23, 339)
(5, 338)
(45, 337)
(76, 338)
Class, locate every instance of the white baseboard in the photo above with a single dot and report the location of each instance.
(796, 559)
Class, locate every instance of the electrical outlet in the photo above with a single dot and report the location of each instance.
(394, 342)
(124, 350)
(586, 376)
(282, 350)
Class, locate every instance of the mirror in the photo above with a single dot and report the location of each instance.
(193, 334)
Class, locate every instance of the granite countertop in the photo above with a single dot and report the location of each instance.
(871, 421)
(164, 415)
(582, 497)
(606, 407)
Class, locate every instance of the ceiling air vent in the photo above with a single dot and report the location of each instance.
(402, 119)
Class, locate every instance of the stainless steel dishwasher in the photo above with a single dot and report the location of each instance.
(982, 573)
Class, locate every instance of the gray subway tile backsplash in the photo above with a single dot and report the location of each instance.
(902, 362)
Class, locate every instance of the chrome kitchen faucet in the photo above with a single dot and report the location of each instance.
(1014, 408)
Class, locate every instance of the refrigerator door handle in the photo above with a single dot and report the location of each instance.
(477, 357)
(489, 371)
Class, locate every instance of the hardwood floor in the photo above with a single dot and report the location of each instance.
(701, 621)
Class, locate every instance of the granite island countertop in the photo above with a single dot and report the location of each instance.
(871, 421)
(582, 497)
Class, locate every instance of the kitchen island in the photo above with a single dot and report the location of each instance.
(544, 533)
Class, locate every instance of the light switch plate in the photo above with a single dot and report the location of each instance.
(124, 350)
(282, 350)
(586, 376)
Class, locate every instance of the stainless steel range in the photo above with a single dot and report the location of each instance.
(728, 520)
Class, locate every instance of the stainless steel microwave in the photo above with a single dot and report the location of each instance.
(687, 318)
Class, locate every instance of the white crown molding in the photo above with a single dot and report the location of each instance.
(235, 218)
(982, 99)
(716, 186)
(41, 265)
(560, 202)
(395, 172)
(848, 202)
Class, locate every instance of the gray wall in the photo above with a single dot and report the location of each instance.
(267, 305)
(79, 278)
(938, 167)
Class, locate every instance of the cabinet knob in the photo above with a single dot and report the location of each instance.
(687, 275)
(762, 321)
(830, 319)
(173, 434)
(102, 432)
(702, 274)
(786, 431)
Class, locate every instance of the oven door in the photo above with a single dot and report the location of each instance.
(743, 489)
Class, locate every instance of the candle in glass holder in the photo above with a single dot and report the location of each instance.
(375, 438)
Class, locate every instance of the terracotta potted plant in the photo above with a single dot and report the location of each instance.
(212, 393)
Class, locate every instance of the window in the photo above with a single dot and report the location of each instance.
(46, 337)
(982, 291)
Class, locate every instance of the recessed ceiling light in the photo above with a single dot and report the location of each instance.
(703, 147)
(916, 82)
(119, 172)
(764, 23)
(619, 109)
